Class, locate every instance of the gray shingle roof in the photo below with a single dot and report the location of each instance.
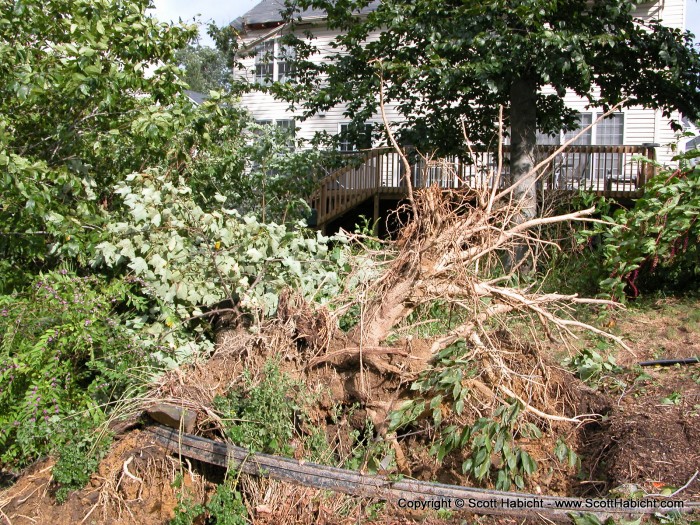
(196, 97)
(268, 12)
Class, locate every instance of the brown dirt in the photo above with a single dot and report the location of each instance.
(112, 496)
(643, 441)
(648, 442)
(651, 437)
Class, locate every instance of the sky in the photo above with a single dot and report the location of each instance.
(222, 12)
(692, 20)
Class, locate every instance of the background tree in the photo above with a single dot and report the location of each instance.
(445, 63)
(99, 149)
(204, 68)
(78, 112)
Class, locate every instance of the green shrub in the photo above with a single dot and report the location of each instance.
(191, 259)
(64, 356)
(270, 414)
(655, 243)
(487, 438)
(79, 455)
(590, 366)
(261, 415)
(225, 507)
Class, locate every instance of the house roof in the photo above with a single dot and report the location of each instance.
(268, 13)
(196, 97)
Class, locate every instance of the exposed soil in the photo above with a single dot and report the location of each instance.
(650, 437)
(133, 484)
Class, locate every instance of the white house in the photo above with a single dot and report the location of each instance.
(261, 27)
(604, 160)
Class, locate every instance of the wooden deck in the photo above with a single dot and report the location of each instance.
(613, 171)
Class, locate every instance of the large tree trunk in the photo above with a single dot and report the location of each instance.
(523, 129)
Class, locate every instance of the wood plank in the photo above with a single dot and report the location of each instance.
(369, 485)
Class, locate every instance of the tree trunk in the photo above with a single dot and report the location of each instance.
(523, 129)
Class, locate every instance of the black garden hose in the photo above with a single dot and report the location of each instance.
(671, 362)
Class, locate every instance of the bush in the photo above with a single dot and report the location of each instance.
(655, 243)
(64, 356)
(224, 508)
(79, 455)
(191, 259)
(269, 414)
(443, 394)
(261, 416)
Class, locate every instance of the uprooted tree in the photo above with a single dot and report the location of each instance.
(102, 187)
(364, 314)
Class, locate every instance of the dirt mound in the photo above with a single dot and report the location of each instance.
(652, 437)
(134, 484)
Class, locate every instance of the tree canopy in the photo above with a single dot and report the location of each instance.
(204, 68)
(448, 66)
(88, 94)
(444, 62)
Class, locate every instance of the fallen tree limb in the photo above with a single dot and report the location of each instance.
(355, 351)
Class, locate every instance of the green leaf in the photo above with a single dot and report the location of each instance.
(529, 465)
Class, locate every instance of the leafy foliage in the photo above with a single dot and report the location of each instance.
(90, 92)
(192, 259)
(565, 454)
(368, 453)
(443, 392)
(590, 366)
(94, 285)
(225, 507)
(64, 356)
(656, 241)
(261, 417)
(205, 68)
(78, 457)
(268, 415)
(256, 166)
(77, 111)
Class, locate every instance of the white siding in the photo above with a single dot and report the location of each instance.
(264, 107)
(671, 13)
(640, 125)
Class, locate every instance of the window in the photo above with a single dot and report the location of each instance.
(608, 166)
(598, 169)
(285, 67)
(273, 62)
(584, 120)
(353, 139)
(610, 130)
(264, 67)
(287, 128)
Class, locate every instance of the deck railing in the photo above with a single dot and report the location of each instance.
(615, 171)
